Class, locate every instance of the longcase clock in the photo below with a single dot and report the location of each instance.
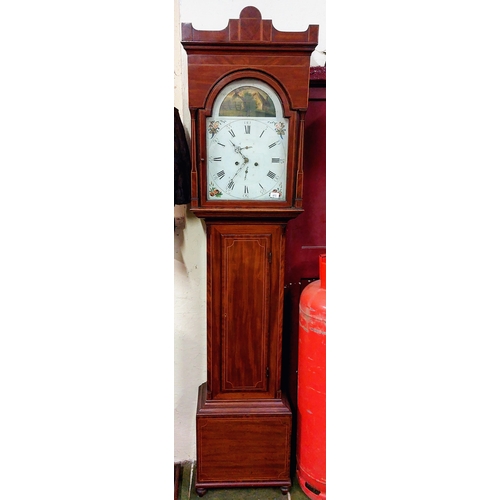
(248, 91)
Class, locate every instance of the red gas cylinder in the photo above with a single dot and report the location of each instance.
(311, 389)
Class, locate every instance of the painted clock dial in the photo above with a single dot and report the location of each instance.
(247, 144)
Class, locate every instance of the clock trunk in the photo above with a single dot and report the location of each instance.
(245, 275)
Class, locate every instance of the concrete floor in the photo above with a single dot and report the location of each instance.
(187, 490)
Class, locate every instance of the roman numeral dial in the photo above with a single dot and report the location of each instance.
(247, 145)
(247, 160)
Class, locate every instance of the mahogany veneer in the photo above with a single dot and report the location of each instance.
(243, 419)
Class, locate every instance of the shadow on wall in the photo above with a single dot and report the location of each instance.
(179, 226)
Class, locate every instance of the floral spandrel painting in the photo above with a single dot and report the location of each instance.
(247, 101)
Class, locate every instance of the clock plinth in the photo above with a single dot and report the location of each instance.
(243, 443)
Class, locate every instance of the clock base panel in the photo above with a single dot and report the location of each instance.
(243, 444)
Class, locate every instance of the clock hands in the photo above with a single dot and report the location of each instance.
(246, 164)
(238, 149)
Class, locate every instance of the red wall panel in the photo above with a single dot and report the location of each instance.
(306, 235)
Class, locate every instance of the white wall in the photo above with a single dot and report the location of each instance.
(190, 248)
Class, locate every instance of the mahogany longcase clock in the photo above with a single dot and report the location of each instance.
(248, 91)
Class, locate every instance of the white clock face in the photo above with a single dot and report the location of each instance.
(247, 144)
